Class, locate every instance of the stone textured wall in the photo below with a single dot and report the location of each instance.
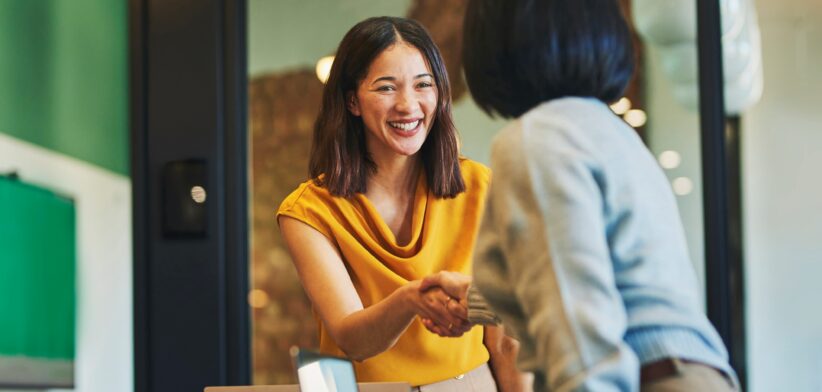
(282, 112)
(443, 20)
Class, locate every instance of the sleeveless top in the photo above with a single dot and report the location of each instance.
(443, 235)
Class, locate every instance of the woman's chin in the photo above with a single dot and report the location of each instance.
(408, 152)
(406, 149)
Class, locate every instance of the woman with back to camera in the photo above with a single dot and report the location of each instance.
(581, 250)
(389, 202)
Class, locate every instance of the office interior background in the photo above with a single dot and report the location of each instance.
(66, 129)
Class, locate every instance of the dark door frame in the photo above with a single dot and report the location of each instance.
(188, 101)
(721, 195)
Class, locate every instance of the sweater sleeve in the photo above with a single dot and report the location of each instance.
(543, 263)
(479, 312)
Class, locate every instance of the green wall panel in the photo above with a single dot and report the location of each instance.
(63, 77)
(37, 272)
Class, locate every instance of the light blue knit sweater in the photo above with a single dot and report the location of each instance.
(583, 255)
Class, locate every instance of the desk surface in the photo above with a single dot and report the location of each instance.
(364, 387)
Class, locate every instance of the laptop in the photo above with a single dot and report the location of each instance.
(320, 373)
(323, 373)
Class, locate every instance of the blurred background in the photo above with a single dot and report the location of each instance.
(74, 283)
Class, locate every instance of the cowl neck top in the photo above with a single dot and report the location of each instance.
(443, 233)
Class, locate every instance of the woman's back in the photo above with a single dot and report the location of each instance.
(590, 202)
(647, 245)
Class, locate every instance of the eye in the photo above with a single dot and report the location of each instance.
(424, 84)
(385, 87)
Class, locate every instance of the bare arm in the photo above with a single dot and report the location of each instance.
(360, 332)
(503, 350)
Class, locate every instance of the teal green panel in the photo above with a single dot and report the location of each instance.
(37, 272)
(64, 77)
(25, 63)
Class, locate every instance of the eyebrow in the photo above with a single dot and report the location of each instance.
(391, 78)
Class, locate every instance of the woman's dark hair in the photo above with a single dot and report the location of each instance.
(338, 151)
(520, 53)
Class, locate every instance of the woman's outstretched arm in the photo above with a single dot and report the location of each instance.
(359, 332)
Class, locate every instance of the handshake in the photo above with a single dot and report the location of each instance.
(444, 310)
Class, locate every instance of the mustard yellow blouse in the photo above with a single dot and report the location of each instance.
(443, 236)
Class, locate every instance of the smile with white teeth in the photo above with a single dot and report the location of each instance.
(404, 126)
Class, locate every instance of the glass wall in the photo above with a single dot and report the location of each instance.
(670, 89)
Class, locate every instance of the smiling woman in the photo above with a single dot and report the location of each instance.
(379, 62)
(397, 102)
(386, 183)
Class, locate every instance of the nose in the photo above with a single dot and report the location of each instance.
(406, 101)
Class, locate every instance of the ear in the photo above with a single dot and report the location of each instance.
(352, 104)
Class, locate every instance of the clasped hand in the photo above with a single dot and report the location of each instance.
(445, 299)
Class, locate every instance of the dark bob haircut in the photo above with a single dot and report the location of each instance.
(339, 159)
(520, 53)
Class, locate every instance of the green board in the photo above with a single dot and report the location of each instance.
(37, 286)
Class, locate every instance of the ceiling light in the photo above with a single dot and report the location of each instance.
(621, 106)
(635, 118)
(682, 186)
(669, 159)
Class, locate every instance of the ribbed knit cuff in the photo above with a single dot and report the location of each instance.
(478, 310)
(655, 343)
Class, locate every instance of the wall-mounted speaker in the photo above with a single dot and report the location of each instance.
(185, 198)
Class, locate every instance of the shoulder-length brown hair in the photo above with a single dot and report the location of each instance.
(339, 159)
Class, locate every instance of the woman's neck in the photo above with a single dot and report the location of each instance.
(391, 191)
(395, 176)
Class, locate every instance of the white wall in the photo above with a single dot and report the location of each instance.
(782, 160)
(102, 199)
